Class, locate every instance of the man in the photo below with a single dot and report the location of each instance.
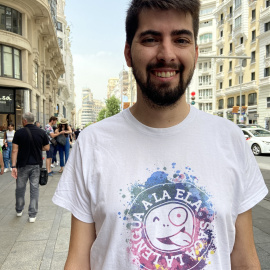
(77, 133)
(26, 163)
(50, 132)
(37, 123)
(161, 185)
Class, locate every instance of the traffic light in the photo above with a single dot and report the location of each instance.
(192, 98)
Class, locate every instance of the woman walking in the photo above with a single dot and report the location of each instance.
(63, 126)
(8, 137)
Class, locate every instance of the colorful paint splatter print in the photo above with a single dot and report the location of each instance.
(170, 222)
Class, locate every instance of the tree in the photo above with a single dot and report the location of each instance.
(112, 108)
(88, 124)
(102, 114)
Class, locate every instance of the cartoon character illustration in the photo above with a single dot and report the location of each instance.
(170, 226)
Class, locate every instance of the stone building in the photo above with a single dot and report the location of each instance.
(31, 60)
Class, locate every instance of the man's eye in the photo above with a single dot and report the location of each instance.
(149, 40)
(182, 41)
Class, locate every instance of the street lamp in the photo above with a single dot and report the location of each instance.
(243, 63)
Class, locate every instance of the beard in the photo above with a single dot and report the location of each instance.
(162, 95)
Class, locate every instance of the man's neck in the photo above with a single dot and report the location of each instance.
(160, 117)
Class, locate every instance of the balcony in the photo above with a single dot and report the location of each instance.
(220, 76)
(229, 16)
(220, 42)
(240, 49)
(237, 69)
(252, 3)
(267, 60)
(220, 23)
(265, 14)
(265, 82)
(246, 87)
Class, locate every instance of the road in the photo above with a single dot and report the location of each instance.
(264, 164)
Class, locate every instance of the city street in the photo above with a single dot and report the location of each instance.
(44, 244)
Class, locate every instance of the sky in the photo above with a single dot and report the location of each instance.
(97, 43)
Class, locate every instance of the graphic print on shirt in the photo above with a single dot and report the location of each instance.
(170, 222)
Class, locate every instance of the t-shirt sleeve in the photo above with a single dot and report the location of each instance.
(16, 138)
(254, 185)
(71, 192)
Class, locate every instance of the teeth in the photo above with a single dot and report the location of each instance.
(165, 74)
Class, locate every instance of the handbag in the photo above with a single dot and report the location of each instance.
(43, 176)
(61, 139)
(53, 141)
(4, 147)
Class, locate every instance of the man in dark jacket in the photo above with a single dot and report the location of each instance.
(26, 163)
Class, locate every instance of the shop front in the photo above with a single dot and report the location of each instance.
(13, 103)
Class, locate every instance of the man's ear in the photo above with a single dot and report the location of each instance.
(127, 53)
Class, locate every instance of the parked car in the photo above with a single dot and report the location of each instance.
(250, 126)
(258, 139)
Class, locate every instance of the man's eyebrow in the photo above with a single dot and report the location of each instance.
(150, 32)
(182, 32)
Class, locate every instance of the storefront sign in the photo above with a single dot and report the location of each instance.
(6, 101)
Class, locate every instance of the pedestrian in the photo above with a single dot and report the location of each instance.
(51, 135)
(37, 123)
(54, 158)
(161, 185)
(64, 128)
(25, 165)
(76, 133)
(8, 137)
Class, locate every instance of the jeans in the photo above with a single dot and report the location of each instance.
(63, 149)
(32, 172)
(7, 155)
(54, 159)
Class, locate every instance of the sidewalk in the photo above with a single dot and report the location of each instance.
(43, 245)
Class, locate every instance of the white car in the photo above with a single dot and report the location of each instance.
(258, 139)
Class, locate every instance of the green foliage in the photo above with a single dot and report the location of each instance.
(88, 124)
(112, 108)
(102, 114)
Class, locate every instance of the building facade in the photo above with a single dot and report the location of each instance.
(65, 95)
(31, 60)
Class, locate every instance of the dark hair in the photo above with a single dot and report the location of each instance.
(137, 6)
(60, 126)
(53, 118)
(11, 124)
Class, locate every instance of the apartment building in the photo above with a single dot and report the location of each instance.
(65, 96)
(31, 60)
(237, 33)
(264, 68)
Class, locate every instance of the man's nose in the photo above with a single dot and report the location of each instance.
(166, 52)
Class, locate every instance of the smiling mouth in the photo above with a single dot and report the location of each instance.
(164, 74)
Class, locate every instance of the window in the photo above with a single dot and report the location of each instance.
(266, 26)
(206, 23)
(267, 49)
(60, 43)
(206, 11)
(220, 68)
(209, 64)
(253, 35)
(59, 26)
(267, 72)
(231, 48)
(220, 85)
(205, 94)
(10, 62)
(237, 3)
(205, 80)
(205, 66)
(221, 51)
(252, 99)
(243, 101)
(200, 66)
(241, 40)
(253, 14)
(221, 104)
(206, 38)
(10, 20)
(36, 75)
(230, 102)
(221, 33)
(230, 66)
(230, 29)
(230, 82)
(268, 102)
(238, 21)
(230, 11)
(252, 76)
(43, 82)
(253, 57)
(267, 3)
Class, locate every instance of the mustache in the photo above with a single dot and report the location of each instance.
(179, 67)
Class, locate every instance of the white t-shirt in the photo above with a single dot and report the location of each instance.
(161, 198)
